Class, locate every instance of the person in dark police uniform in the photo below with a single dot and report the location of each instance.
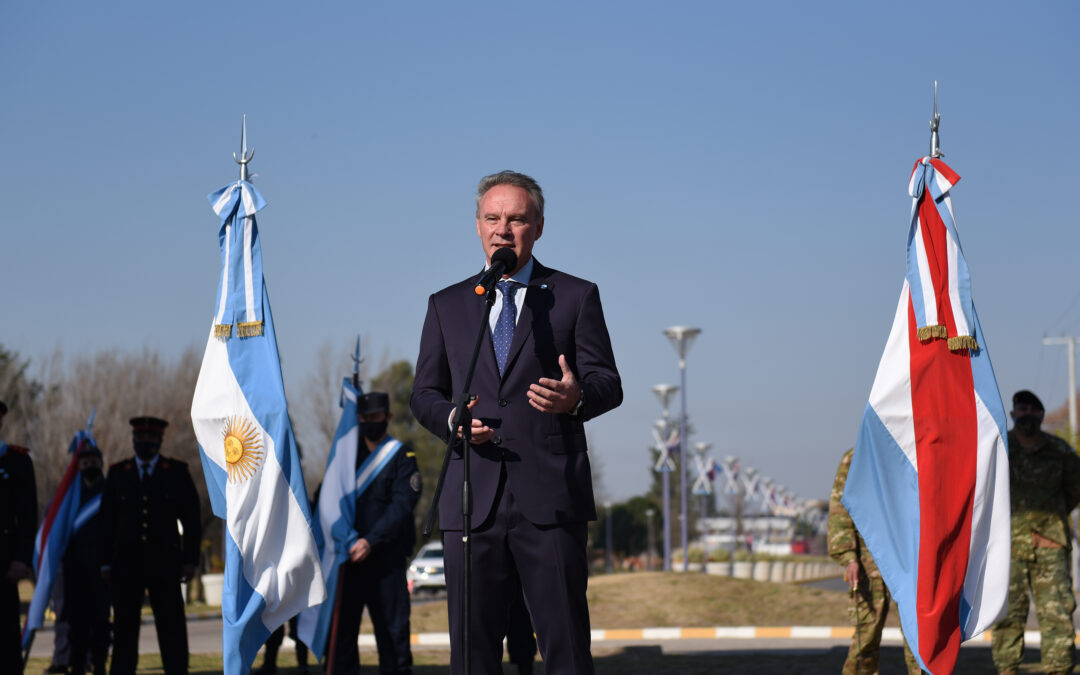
(86, 605)
(374, 577)
(18, 524)
(546, 369)
(142, 549)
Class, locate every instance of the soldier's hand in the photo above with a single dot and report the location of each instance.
(187, 572)
(851, 575)
(360, 550)
(17, 570)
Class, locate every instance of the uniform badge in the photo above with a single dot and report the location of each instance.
(243, 448)
(415, 482)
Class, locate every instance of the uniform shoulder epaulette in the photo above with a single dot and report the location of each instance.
(19, 449)
(167, 462)
(410, 453)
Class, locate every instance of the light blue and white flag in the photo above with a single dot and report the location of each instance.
(336, 513)
(249, 454)
(63, 518)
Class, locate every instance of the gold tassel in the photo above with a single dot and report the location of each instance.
(929, 332)
(223, 330)
(249, 329)
(963, 342)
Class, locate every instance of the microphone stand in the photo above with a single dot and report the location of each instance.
(463, 420)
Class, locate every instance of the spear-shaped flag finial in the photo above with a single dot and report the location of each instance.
(935, 123)
(245, 156)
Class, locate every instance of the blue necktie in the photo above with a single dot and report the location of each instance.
(503, 334)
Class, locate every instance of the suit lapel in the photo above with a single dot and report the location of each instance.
(538, 285)
(473, 311)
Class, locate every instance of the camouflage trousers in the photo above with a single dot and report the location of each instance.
(871, 608)
(1047, 575)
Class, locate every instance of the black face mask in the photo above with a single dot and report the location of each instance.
(374, 431)
(91, 475)
(1027, 424)
(146, 450)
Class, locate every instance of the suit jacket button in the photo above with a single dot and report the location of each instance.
(496, 440)
(503, 403)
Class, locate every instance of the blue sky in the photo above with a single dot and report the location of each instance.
(741, 167)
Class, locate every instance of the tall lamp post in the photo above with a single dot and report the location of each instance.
(703, 448)
(682, 337)
(664, 392)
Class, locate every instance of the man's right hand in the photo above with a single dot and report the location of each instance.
(851, 575)
(481, 433)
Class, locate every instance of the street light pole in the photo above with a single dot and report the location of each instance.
(681, 338)
(664, 392)
(702, 448)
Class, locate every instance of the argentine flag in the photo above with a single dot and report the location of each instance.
(928, 487)
(249, 454)
(336, 512)
(63, 518)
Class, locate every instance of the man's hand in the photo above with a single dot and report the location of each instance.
(481, 433)
(556, 396)
(187, 572)
(360, 550)
(851, 575)
(17, 570)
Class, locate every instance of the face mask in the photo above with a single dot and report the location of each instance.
(91, 475)
(1028, 424)
(374, 431)
(146, 450)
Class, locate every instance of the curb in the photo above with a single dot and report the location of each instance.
(650, 635)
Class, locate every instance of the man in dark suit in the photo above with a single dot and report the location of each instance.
(18, 524)
(546, 367)
(143, 550)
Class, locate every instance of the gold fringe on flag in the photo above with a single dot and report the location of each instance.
(963, 342)
(249, 329)
(223, 330)
(929, 332)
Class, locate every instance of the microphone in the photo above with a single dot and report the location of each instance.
(503, 261)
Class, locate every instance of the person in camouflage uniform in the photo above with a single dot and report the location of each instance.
(871, 597)
(1044, 486)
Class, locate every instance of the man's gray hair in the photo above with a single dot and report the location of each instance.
(527, 183)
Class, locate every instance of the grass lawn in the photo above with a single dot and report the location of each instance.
(642, 600)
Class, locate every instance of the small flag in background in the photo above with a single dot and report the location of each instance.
(928, 487)
(63, 517)
(335, 514)
(248, 450)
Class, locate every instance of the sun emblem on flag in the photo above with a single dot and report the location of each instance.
(243, 448)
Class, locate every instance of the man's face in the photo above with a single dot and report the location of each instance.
(89, 461)
(507, 218)
(1028, 417)
(147, 443)
(373, 417)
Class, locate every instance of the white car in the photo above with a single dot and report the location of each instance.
(426, 569)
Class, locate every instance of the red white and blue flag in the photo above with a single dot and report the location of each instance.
(63, 517)
(928, 487)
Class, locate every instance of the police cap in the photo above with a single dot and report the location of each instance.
(373, 402)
